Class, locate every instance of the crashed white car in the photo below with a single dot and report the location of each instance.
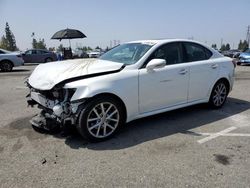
(134, 80)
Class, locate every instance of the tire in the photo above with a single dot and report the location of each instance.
(48, 60)
(238, 63)
(6, 66)
(95, 126)
(219, 94)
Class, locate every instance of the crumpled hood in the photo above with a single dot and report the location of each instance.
(46, 76)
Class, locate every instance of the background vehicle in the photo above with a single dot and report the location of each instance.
(38, 56)
(231, 53)
(8, 60)
(244, 58)
(79, 54)
(131, 81)
(94, 54)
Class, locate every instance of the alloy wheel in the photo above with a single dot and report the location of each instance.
(103, 120)
(220, 94)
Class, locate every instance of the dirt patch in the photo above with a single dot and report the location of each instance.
(1, 149)
(19, 128)
(18, 145)
(222, 159)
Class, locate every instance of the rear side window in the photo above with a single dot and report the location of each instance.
(196, 52)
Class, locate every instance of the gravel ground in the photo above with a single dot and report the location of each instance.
(166, 150)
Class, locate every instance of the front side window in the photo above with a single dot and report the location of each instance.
(196, 52)
(128, 53)
(29, 52)
(170, 52)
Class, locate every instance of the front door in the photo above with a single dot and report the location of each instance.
(167, 86)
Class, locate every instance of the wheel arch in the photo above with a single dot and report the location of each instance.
(7, 61)
(226, 81)
(114, 96)
(223, 79)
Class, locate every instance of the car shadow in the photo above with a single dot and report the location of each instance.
(161, 125)
(16, 70)
(31, 64)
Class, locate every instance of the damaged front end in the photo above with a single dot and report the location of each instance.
(56, 108)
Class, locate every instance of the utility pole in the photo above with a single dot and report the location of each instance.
(248, 35)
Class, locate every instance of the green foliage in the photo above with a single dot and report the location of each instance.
(38, 44)
(228, 46)
(8, 41)
(225, 47)
(4, 43)
(243, 45)
(85, 48)
(214, 46)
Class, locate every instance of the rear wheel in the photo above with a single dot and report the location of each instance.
(6, 66)
(101, 119)
(219, 94)
(48, 60)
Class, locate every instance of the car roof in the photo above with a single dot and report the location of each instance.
(39, 49)
(162, 41)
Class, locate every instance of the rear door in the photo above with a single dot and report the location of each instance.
(167, 86)
(203, 70)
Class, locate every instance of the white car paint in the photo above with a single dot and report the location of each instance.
(46, 76)
(142, 91)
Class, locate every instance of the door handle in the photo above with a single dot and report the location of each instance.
(183, 71)
(214, 66)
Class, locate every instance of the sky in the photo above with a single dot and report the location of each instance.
(207, 21)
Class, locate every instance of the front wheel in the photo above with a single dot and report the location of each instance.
(101, 119)
(47, 60)
(219, 95)
(6, 66)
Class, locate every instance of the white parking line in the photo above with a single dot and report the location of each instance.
(215, 135)
(227, 134)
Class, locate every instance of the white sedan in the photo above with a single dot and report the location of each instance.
(133, 80)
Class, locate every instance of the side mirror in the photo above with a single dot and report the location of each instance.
(156, 64)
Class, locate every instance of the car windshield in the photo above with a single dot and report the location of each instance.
(128, 53)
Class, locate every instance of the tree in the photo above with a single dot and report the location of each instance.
(34, 43)
(227, 46)
(41, 44)
(240, 45)
(223, 47)
(89, 49)
(38, 44)
(3, 43)
(214, 46)
(243, 45)
(8, 40)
